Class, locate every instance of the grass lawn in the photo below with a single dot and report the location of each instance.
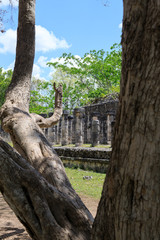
(92, 187)
(85, 146)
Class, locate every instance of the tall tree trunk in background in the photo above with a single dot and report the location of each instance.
(50, 208)
(130, 205)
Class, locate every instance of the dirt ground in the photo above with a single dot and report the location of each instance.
(12, 229)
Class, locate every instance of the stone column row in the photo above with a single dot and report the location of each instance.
(78, 116)
(65, 128)
(71, 130)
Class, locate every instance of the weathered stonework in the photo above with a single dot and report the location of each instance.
(95, 132)
(65, 127)
(93, 124)
(95, 159)
(78, 116)
(103, 111)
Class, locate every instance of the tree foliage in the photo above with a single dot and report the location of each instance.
(96, 74)
(5, 79)
(42, 97)
(72, 91)
(84, 79)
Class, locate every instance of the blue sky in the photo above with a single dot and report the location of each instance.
(75, 26)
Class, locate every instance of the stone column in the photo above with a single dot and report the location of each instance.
(95, 130)
(65, 128)
(104, 130)
(89, 124)
(51, 134)
(56, 134)
(59, 132)
(112, 130)
(108, 129)
(78, 113)
(70, 128)
(73, 128)
(110, 119)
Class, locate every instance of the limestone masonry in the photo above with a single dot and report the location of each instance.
(91, 124)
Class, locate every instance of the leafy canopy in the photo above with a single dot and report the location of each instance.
(41, 93)
(42, 96)
(85, 79)
(5, 79)
(96, 74)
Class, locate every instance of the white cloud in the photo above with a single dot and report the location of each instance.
(36, 71)
(14, 3)
(120, 25)
(53, 60)
(47, 41)
(42, 61)
(11, 66)
(62, 61)
(50, 75)
(8, 41)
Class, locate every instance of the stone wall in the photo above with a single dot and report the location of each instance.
(105, 113)
(95, 159)
(91, 124)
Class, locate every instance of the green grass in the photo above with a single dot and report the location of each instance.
(92, 187)
(84, 145)
(10, 143)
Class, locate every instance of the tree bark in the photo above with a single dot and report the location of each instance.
(18, 93)
(129, 207)
(46, 212)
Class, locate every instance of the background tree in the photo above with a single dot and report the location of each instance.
(5, 79)
(42, 96)
(76, 76)
(97, 73)
(74, 95)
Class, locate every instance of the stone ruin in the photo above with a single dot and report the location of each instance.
(91, 124)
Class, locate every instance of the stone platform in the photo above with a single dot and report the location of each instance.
(95, 159)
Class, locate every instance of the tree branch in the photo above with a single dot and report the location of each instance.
(49, 122)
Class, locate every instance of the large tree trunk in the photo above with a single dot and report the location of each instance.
(67, 218)
(130, 205)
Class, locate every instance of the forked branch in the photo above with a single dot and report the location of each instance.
(49, 122)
